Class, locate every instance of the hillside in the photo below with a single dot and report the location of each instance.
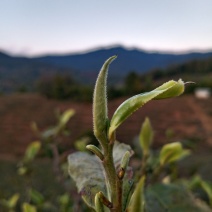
(20, 71)
(128, 60)
(16, 72)
(184, 118)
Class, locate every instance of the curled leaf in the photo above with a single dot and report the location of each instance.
(100, 113)
(167, 90)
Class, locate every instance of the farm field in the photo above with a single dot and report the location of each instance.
(185, 119)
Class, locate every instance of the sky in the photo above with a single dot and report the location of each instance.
(34, 27)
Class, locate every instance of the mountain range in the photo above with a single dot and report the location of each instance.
(23, 71)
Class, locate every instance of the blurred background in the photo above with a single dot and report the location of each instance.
(50, 55)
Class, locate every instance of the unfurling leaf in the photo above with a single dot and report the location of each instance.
(125, 160)
(32, 150)
(137, 199)
(167, 90)
(146, 137)
(172, 152)
(100, 113)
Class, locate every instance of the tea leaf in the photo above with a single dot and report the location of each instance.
(65, 117)
(96, 151)
(172, 152)
(32, 150)
(137, 199)
(98, 204)
(87, 171)
(146, 136)
(119, 150)
(36, 197)
(172, 197)
(198, 182)
(167, 90)
(100, 113)
(13, 200)
(28, 208)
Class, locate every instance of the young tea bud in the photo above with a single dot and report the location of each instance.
(96, 151)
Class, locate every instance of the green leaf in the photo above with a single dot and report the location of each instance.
(173, 198)
(96, 151)
(98, 204)
(100, 111)
(32, 150)
(198, 182)
(146, 136)
(36, 197)
(28, 208)
(47, 134)
(64, 118)
(167, 90)
(208, 189)
(172, 152)
(87, 171)
(137, 199)
(11, 202)
(81, 143)
(64, 199)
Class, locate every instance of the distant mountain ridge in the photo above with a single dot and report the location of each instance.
(85, 66)
(128, 60)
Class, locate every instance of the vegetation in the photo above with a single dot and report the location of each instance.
(106, 180)
(64, 87)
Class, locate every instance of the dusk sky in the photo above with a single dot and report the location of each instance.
(32, 27)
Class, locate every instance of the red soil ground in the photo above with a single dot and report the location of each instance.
(187, 117)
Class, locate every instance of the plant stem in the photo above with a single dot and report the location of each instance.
(115, 184)
(144, 165)
(119, 193)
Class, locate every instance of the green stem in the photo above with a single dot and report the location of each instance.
(115, 185)
(110, 171)
(144, 165)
